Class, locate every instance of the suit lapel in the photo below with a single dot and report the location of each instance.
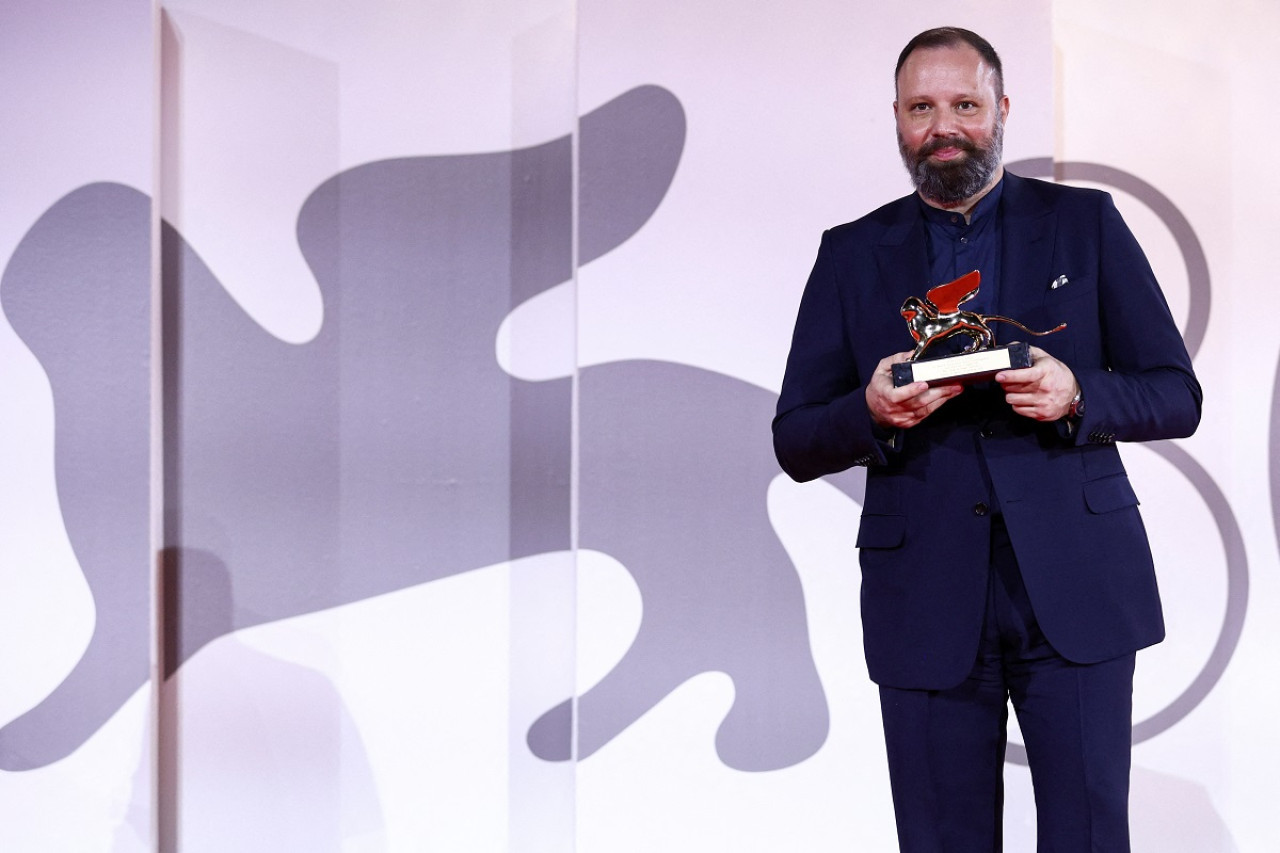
(902, 258)
(1028, 227)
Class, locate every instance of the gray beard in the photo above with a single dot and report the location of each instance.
(951, 183)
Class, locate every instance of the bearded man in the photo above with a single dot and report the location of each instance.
(1003, 555)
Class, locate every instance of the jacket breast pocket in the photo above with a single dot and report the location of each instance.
(1109, 494)
(1073, 302)
(882, 531)
(1070, 288)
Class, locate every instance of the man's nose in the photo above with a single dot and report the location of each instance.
(943, 125)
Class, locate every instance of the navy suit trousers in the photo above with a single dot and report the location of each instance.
(946, 747)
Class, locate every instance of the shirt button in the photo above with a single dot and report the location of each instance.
(964, 239)
(979, 509)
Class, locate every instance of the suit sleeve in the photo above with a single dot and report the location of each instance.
(823, 424)
(1145, 389)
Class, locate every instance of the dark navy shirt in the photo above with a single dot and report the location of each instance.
(957, 247)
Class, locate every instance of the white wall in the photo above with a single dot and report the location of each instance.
(374, 310)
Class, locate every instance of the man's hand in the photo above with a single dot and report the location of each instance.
(900, 408)
(1043, 391)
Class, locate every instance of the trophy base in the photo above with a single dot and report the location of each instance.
(964, 367)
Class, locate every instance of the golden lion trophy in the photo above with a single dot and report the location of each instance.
(938, 317)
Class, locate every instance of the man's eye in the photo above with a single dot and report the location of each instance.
(967, 105)
(919, 108)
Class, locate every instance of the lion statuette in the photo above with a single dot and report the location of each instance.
(937, 317)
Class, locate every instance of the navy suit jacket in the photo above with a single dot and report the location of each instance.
(1071, 512)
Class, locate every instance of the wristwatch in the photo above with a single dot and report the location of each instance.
(1076, 410)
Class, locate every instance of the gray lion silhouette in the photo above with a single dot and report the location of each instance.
(392, 450)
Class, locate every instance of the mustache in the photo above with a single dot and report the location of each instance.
(946, 142)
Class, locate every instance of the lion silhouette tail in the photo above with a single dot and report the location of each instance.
(1011, 321)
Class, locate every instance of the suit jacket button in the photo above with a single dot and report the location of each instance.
(979, 508)
(987, 432)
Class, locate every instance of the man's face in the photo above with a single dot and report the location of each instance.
(950, 123)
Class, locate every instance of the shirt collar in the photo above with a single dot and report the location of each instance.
(982, 211)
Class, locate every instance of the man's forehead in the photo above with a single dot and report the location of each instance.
(952, 54)
(932, 62)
